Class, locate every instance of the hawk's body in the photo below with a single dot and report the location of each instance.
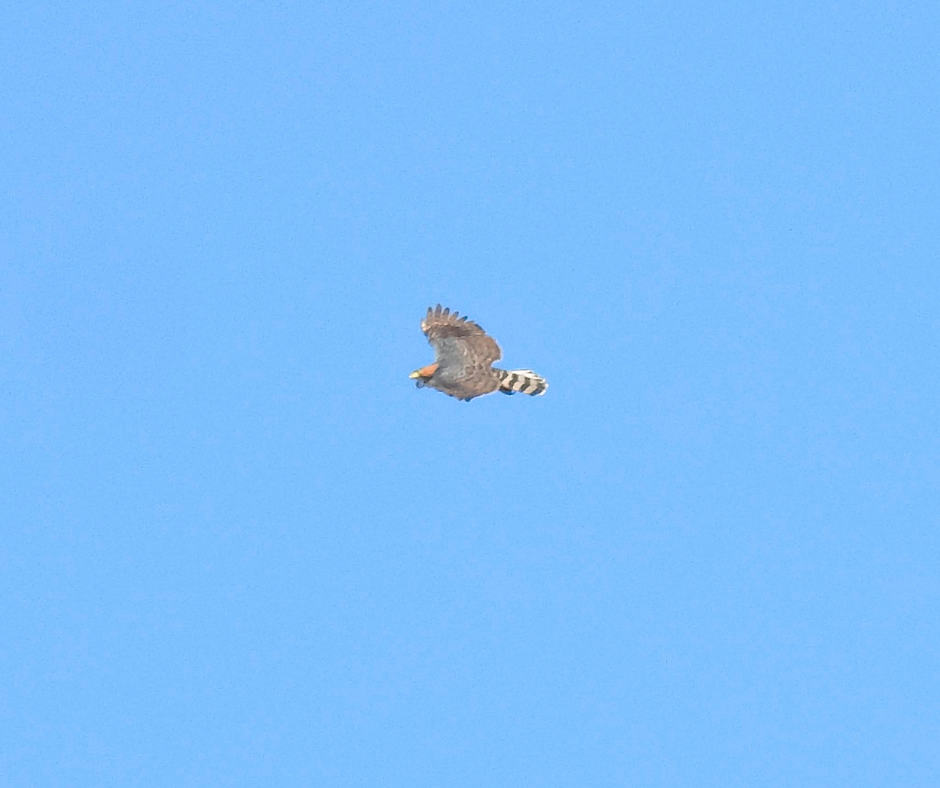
(463, 367)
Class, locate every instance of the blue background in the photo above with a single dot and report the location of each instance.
(239, 548)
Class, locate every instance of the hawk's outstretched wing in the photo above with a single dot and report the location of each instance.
(456, 339)
(464, 353)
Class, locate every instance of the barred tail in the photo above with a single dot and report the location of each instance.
(524, 380)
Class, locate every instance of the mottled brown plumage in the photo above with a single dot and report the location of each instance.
(463, 366)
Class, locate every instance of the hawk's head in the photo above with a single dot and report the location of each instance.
(422, 375)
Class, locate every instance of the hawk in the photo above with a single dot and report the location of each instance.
(464, 358)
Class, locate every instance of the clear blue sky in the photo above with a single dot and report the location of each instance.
(240, 548)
